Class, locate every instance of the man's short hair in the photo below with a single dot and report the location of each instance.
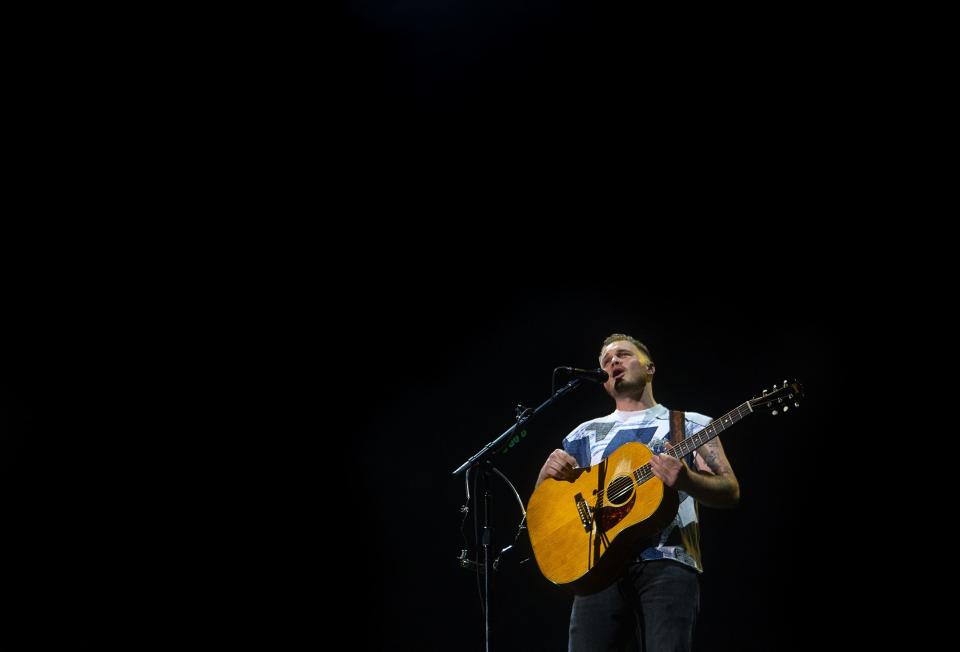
(617, 337)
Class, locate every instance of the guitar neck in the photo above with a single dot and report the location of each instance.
(716, 426)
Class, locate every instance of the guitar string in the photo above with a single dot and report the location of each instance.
(645, 472)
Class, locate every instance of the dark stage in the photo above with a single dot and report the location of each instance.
(460, 360)
(257, 438)
(622, 121)
(318, 463)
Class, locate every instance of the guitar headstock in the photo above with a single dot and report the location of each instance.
(779, 399)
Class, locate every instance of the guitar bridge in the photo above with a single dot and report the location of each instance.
(584, 510)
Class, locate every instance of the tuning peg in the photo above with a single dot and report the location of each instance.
(785, 408)
(796, 404)
(773, 412)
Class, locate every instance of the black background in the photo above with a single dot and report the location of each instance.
(252, 432)
(187, 485)
(599, 168)
(466, 357)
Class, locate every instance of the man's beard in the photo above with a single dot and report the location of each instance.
(629, 387)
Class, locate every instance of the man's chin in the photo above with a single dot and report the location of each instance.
(623, 388)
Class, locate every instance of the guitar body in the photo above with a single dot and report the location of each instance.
(582, 548)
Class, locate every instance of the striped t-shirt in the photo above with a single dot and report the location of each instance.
(592, 441)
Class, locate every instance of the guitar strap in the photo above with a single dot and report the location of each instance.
(689, 534)
(677, 430)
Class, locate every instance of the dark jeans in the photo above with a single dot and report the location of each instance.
(651, 608)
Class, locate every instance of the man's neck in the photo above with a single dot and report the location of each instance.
(644, 401)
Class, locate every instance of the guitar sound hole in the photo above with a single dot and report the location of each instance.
(619, 490)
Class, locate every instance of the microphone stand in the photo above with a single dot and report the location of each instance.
(481, 460)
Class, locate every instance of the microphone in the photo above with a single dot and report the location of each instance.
(593, 375)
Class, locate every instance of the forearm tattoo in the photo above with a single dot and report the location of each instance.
(713, 456)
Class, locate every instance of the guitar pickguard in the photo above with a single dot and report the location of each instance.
(607, 517)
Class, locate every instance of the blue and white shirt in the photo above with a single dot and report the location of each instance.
(592, 441)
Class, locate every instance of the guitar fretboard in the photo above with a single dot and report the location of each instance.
(698, 439)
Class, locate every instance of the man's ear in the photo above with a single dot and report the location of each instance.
(651, 368)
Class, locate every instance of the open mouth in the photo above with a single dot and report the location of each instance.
(617, 374)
